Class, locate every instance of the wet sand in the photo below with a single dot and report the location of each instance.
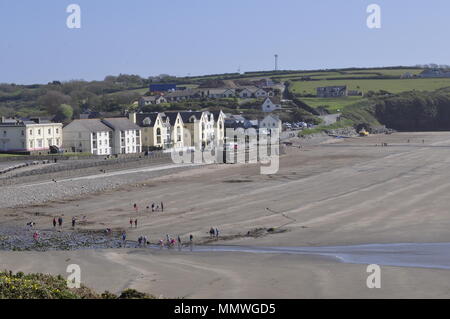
(346, 193)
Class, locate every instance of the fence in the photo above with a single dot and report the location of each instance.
(152, 157)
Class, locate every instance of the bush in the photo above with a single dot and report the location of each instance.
(41, 286)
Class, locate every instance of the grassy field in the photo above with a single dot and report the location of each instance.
(392, 86)
(9, 155)
(332, 104)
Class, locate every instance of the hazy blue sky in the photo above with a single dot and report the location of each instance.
(182, 37)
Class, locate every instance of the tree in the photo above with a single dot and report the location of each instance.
(52, 100)
(64, 114)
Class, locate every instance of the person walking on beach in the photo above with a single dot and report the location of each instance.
(135, 207)
(60, 221)
(36, 236)
(179, 241)
(131, 223)
(124, 237)
(153, 207)
(73, 222)
(211, 232)
(162, 207)
(145, 241)
(54, 222)
(135, 223)
(217, 233)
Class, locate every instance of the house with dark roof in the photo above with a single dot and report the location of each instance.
(217, 93)
(88, 136)
(332, 91)
(435, 73)
(176, 129)
(202, 128)
(153, 99)
(271, 104)
(270, 123)
(237, 121)
(155, 130)
(126, 135)
(181, 95)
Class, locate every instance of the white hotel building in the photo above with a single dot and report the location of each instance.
(29, 136)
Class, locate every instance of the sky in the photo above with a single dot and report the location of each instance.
(196, 37)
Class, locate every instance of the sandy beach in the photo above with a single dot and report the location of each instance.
(349, 192)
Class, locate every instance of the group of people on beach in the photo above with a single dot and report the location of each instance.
(214, 233)
(171, 242)
(59, 221)
(153, 206)
(135, 222)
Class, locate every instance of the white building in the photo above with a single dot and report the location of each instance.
(126, 136)
(29, 136)
(270, 105)
(103, 136)
(271, 122)
(199, 129)
(88, 136)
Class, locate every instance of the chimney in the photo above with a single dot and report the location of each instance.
(132, 117)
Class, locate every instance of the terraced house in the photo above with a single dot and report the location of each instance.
(154, 127)
(30, 136)
(126, 135)
(176, 128)
(88, 136)
(103, 136)
(203, 128)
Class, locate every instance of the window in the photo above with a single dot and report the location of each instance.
(31, 132)
(49, 131)
(39, 132)
(4, 132)
(179, 134)
(31, 144)
(57, 131)
(158, 135)
(23, 132)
